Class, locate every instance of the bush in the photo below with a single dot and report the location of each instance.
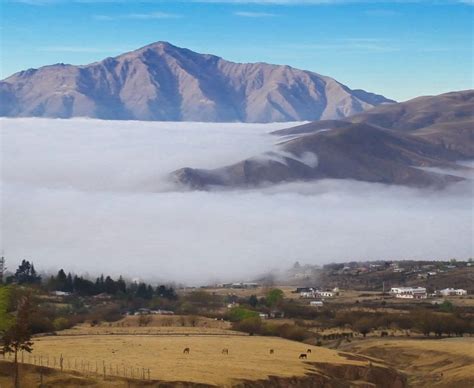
(293, 332)
(40, 324)
(239, 313)
(144, 320)
(363, 326)
(251, 325)
(61, 323)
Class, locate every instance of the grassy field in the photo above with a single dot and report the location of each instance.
(249, 357)
(159, 325)
(428, 363)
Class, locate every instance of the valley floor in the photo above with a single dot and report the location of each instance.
(427, 362)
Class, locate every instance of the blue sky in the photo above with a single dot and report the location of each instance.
(401, 49)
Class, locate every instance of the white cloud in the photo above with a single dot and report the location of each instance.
(93, 196)
(139, 16)
(246, 14)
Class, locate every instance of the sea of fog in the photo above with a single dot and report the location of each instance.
(93, 196)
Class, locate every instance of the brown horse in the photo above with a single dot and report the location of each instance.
(186, 351)
(308, 351)
(272, 351)
(302, 355)
(225, 351)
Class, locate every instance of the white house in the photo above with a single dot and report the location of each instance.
(453, 291)
(326, 294)
(316, 303)
(409, 292)
(307, 294)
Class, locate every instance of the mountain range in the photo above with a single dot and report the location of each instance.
(164, 82)
(391, 144)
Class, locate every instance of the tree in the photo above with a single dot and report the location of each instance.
(26, 274)
(446, 306)
(18, 337)
(249, 325)
(61, 279)
(253, 301)
(144, 291)
(69, 283)
(240, 313)
(121, 286)
(6, 319)
(274, 297)
(363, 326)
(110, 287)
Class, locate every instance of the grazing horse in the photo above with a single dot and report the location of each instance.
(308, 351)
(302, 355)
(272, 351)
(225, 351)
(186, 351)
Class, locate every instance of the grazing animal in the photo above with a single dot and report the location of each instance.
(272, 351)
(186, 351)
(302, 355)
(225, 351)
(384, 334)
(308, 351)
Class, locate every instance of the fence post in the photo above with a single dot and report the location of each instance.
(61, 362)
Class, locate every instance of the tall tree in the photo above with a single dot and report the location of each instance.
(26, 273)
(18, 336)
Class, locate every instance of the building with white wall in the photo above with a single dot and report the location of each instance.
(453, 292)
(409, 292)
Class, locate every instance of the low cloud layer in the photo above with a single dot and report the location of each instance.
(93, 196)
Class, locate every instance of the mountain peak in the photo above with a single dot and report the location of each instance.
(161, 81)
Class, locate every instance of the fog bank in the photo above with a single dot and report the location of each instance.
(92, 196)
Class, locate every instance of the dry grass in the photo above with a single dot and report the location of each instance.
(248, 358)
(159, 325)
(246, 292)
(429, 363)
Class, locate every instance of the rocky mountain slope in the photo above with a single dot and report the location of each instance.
(389, 144)
(163, 82)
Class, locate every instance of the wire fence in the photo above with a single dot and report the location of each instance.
(89, 368)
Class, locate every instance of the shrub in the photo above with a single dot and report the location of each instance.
(40, 324)
(239, 313)
(251, 325)
(293, 332)
(61, 323)
(144, 320)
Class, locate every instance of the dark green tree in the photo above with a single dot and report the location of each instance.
(26, 274)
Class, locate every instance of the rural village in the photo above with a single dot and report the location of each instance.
(302, 318)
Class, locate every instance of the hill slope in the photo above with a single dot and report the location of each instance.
(163, 82)
(434, 135)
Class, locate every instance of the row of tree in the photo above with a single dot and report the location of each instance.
(26, 275)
